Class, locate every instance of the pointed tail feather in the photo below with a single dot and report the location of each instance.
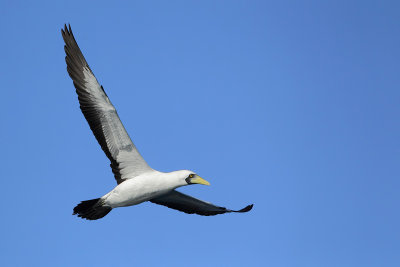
(91, 209)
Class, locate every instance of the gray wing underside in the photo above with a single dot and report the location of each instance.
(126, 161)
(188, 204)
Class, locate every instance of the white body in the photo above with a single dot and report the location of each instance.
(143, 188)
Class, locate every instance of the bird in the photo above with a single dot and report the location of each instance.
(136, 181)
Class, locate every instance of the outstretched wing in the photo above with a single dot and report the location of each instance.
(188, 204)
(126, 162)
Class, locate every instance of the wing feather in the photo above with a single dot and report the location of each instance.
(103, 119)
(178, 201)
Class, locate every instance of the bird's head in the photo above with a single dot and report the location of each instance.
(187, 177)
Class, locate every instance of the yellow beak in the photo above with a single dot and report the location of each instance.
(198, 180)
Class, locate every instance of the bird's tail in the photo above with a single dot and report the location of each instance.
(91, 209)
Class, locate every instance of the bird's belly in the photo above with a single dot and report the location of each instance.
(133, 193)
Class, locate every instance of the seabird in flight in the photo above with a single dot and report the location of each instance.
(137, 182)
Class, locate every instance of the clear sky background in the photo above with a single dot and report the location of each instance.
(291, 106)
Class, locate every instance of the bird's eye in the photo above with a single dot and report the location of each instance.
(191, 175)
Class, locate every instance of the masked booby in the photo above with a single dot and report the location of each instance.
(137, 182)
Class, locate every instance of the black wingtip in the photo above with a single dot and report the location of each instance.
(66, 29)
(247, 208)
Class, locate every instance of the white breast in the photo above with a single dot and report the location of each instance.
(139, 189)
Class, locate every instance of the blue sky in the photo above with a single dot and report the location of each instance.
(291, 106)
